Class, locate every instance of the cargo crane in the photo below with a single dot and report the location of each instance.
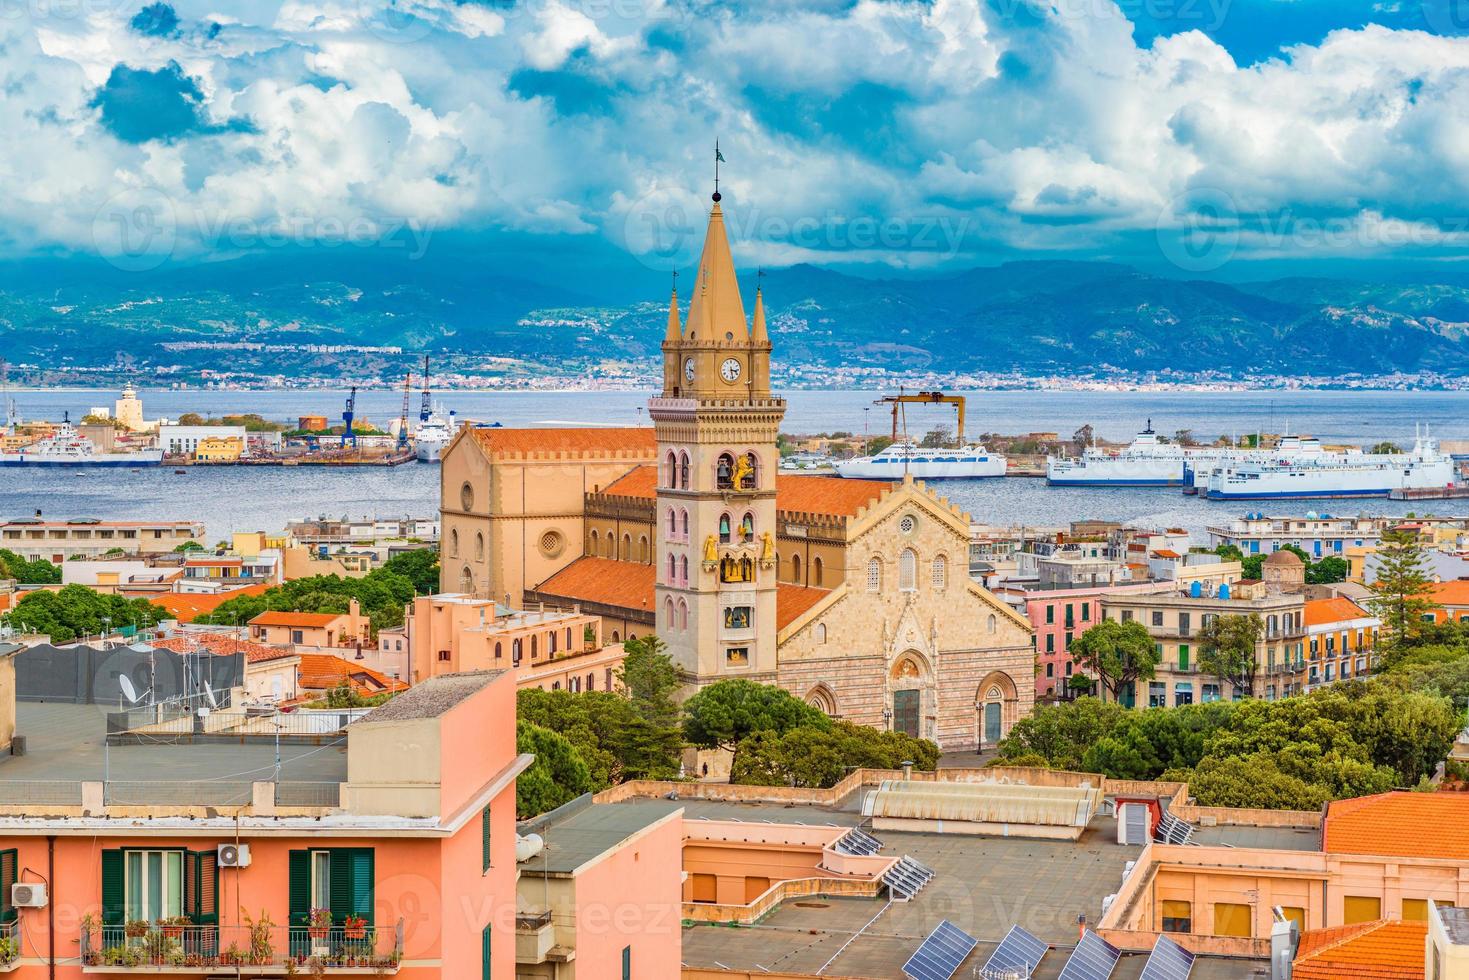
(425, 407)
(348, 435)
(926, 398)
(403, 419)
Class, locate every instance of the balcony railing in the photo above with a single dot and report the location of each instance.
(531, 921)
(10, 943)
(171, 949)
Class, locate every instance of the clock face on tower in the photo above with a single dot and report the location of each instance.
(688, 369)
(730, 369)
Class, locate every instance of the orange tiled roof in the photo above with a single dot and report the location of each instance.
(606, 581)
(586, 439)
(640, 481)
(1166, 553)
(1455, 593)
(1400, 824)
(792, 601)
(826, 494)
(1333, 610)
(189, 606)
(320, 671)
(222, 645)
(273, 618)
(1365, 951)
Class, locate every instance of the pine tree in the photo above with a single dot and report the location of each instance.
(1402, 595)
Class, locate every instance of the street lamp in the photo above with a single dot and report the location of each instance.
(887, 718)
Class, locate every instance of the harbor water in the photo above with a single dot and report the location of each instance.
(263, 498)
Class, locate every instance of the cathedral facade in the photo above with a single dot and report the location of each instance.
(852, 594)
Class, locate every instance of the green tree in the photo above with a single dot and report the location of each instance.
(77, 611)
(1061, 733)
(1227, 649)
(650, 681)
(1386, 448)
(1119, 654)
(191, 418)
(1249, 782)
(28, 572)
(727, 712)
(382, 594)
(559, 775)
(1328, 570)
(821, 757)
(1229, 552)
(419, 566)
(189, 546)
(616, 744)
(1401, 592)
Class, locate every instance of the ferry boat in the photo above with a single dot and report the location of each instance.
(435, 431)
(907, 459)
(1291, 449)
(1147, 462)
(1344, 475)
(68, 448)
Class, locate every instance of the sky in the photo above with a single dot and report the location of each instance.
(1210, 138)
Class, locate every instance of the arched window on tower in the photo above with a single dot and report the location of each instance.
(816, 571)
(874, 574)
(627, 547)
(683, 569)
(672, 523)
(683, 521)
(670, 470)
(454, 543)
(643, 548)
(668, 616)
(724, 472)
(593, 549)
(908, 570)
(796, 569)
(683, 470)
(683, 615)
(672, 569)
(724, 529)
(479, 546)
(747, 527)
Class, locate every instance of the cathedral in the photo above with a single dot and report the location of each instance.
(852, 594)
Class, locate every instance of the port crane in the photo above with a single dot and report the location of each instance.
(425, 407)
(403, 419)
(348, 435)
(925, 398)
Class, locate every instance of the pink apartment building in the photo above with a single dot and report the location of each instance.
(1059, 616)
(386, 850)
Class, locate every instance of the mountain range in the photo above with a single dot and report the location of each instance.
(59, 317)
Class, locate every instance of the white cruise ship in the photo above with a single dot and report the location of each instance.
(907, 459)
(1147, 462)
(1336, 475)
(435, 431)
(67, 448)
(1291, 449)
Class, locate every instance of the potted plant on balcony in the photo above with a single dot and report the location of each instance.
(136, 928)
(173, 926)
(262, 950)
(354, 927)
(319, 923)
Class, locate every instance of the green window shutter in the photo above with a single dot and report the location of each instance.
(627, 963)
(205, 908)
(112, 890)
(300, 892)
(484, 820)
(484, 953)
(1183, 656)
(351, 883)
(9, 861)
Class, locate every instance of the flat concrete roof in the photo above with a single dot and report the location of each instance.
(577, 834)
(1275, 838)
(434, 697)
(65, 744)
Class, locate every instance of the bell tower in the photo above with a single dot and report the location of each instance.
(716, 423)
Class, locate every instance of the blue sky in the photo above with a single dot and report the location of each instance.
(1225, 138)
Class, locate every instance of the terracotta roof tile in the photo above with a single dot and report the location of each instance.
(1166, 553)
(222, 645)
(1333, 610)
(1365, 951)
(588, 439)
(606, 581)
(1455, 593)
(826, 494)
(189, 606)
(273, 618)
(1401, 824)
(321, 671)
(793, 601)
(640, 482)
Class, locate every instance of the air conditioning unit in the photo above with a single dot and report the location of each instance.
(28, 895)
(234, 855)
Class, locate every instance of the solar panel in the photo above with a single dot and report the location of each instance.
(1016, 958)
(1167, 961)
(941, 953)
(1093, 959)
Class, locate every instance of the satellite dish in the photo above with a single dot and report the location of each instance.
(128, 691)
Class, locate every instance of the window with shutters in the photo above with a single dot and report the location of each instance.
(153, 885)
(9, 863)
(484, 953)
(339, 879)
(484, 833)
(150, 884)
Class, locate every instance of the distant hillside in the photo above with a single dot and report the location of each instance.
(1032, 317)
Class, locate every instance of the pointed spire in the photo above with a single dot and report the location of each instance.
(758, 334)
(675, 332)
(716, 307)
